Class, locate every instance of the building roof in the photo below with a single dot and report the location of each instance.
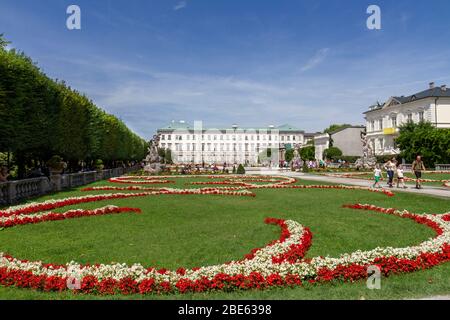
(309, 135)
(177, 125)
(288, 127)
(344, 128)
(435, 92)
(182, 125)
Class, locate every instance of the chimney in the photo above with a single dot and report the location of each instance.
(431, 85)
(444, 87)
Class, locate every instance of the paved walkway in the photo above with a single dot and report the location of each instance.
(428, 190)
(436, 298)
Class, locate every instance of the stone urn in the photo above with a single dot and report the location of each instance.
(56, 166)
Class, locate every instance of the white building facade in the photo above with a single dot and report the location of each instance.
(383, 120)
(234, 145)
(347, 139)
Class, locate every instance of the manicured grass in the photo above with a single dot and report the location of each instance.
(197, 230)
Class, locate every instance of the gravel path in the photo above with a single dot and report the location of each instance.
(428, 190)
(436, 298)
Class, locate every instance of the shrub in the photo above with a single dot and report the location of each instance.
(99, 165)
(349, 159)
(308, 153)
(240, 169)
(55, 163)
(305, 167)
(332, 153)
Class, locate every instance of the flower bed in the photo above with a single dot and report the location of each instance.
(280, 263)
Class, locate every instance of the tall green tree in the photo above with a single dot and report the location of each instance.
(42, 117)
(308, 153)
(432, 143)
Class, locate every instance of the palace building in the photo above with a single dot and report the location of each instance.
(234, 145)
(384, 119)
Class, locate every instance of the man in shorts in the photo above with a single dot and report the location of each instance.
(418, 167)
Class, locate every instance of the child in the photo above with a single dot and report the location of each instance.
(401, 177)
(377, 176)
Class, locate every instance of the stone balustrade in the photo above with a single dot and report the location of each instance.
(442, 167)
(15, 191)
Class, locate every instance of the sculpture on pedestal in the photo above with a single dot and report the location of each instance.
(368, 160)
(153, 160)
(297, 160)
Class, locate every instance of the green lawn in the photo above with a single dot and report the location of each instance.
(197, 230)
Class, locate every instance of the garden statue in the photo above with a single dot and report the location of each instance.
(153, 160)
(296, 160)
(368, 160)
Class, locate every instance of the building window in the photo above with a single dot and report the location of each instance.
(163, 137)
(372, 125)
(421, 116)
(380, 124)
(410, 119)
(394, 121)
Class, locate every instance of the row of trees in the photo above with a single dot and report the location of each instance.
(432, 143)
(41, 117)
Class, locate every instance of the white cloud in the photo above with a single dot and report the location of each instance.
(147, 97)
(180, 5)
(316, 59)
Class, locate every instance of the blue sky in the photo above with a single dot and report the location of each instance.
(308, 63)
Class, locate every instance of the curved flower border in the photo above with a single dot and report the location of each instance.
(280, 263)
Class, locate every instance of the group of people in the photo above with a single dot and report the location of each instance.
(393, 168)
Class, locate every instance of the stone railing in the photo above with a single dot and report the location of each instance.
(15, 191)
(437, 167)
(442, 167)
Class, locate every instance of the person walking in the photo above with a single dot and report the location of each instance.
(401, 177)
(377, 176)
(418, 167)
(390, 167)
